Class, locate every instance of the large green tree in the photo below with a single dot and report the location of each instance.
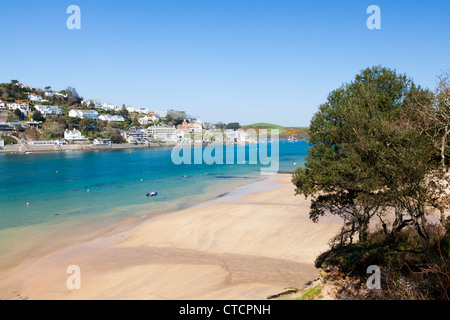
(367, 158)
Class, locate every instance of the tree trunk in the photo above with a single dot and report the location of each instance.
(363, 230)
(423, 236)
(443, 146)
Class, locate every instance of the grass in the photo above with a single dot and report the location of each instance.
(264, 125)
(312, 293)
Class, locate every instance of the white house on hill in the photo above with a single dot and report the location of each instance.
(89, 114)
(74, 136)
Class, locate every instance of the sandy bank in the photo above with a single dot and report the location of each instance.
(246, 246)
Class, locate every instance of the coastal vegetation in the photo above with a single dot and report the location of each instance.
(297, 133)
(378, 159)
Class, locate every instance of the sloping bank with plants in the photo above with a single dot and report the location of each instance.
(378, 158)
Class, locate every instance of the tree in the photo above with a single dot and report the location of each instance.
(37, 116)
(433, 114)
(233, 125)
(124, 112)
(19, 114)
(366, 156)
(48, 88)
(73, 97)
(87, 125)
(114, 135)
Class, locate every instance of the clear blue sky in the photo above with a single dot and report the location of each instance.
(224, 60)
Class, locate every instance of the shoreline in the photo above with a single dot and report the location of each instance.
(75, 147)
(77, 231)
(16, 148)
(250, 243)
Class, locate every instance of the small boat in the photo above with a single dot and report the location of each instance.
(28, 152)
(151, 194)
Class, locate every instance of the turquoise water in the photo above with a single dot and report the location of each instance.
(56, 184)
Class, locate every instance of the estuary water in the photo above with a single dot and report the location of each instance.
(48, 191)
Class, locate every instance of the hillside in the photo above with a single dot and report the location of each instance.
(299, 133)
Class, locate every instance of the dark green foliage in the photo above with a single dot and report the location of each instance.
(233, 125)
(37, 116)
(19, 114)
(366, 155)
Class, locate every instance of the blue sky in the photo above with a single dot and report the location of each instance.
(224, 60)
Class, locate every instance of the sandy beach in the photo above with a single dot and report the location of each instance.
(248, 244)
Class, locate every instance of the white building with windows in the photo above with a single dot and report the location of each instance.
(111, 118)
(164, 133)
(148, 119)
(35, 98)
(83, 114)
(74, 136)
(96, 104)
(136, 136)
(238, 136)
(49, 110)
(108, 106)
(141, 110)
(102, 142)
(23, 107)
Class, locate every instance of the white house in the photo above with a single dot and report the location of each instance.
(49, 110)
(238, 136)
(35, 98)
(148, 119)
(136, 136)
(97, 104)
(23, 107)
(108, 106)
(2, 143)
(111, 118)
(74, 136)
(55, 94)
(141, 110)
(164, 133)
(83, 114)
(102, 142)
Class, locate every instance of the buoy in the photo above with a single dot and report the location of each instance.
(295, 163)
(56, 171)
(142, 179)
(87, 190)
(28, 204)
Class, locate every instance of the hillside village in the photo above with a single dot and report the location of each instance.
(35, 117)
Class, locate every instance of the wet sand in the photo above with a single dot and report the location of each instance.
(249, 244)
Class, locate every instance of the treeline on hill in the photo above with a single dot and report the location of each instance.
(379, 158)
(297, 133)
(11, 92)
